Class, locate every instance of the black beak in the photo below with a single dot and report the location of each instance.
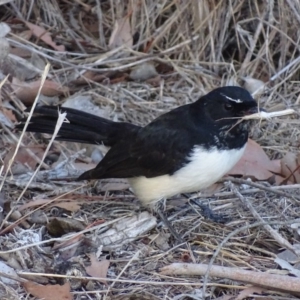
(253, 110)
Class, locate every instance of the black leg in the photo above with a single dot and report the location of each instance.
(158, 209)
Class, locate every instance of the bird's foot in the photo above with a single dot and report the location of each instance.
(209, 214)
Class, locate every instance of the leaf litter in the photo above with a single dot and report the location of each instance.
(189, 48)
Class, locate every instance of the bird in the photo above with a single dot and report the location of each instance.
(184, 150)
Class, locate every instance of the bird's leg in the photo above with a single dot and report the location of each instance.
(158, 208)
(207, 213)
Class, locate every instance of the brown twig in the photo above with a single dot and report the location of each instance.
(261, 187)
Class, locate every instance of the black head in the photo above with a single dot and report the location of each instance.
(225, 104)
(220, 111)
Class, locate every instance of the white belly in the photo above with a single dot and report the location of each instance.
(204, 169)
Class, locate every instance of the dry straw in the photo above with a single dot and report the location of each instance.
(196, 46)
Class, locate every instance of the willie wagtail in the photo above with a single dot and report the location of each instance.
(184, 150)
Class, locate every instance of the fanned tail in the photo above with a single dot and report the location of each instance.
(79, 126)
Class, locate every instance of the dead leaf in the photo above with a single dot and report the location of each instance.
(48, 292)
(68, 203)
(44, 35)
(24, 53)
(143, 72)
(121, 34)
(288, 255)
(9, 114)
(27, 92)
(253, 85)
(287, 266)
(98, 268)
(6, 116)
(70, 206)
(23, 161)
(89, 75)
(255, 163)
(25, 35)
(59, 226)
(248, 292)
(290, 167)
(33, 203)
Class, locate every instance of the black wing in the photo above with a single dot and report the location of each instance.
(162, 147)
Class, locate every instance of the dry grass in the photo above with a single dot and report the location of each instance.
(197, 46)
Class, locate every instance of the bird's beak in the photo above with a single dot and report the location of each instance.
(253, 110)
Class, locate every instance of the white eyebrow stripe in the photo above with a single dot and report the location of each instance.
(231, 99)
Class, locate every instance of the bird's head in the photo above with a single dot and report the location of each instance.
(221, 111)
(226, 104)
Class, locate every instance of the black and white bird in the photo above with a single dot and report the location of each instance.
(184, 150)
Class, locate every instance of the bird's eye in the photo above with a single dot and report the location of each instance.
(228, 106)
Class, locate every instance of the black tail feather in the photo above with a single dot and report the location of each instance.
(79, 126)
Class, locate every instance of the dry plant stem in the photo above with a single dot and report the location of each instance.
(102, 291)
(267, 115)
(3, 81)
(135, 256)
(205, 39)
(43, 79)
(127, 281)
(30, 153)
(254, 190)
(5, 275)
(261, 187)
(61, 118)
(232, 234)
(11, 226)
(253, 43)
(239, 245)
(63, 239)
(283, 242)
(26, 124)
(267, 280)
(143, 59)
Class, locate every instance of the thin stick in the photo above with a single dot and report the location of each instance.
(232, 234)
(267, 115)
(62, 239)
(44, 76)
(139, 282)
(60, 120)
(261, 187)
(283, 242)
(265, 279)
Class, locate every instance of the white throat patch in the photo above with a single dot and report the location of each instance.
(231, 99)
